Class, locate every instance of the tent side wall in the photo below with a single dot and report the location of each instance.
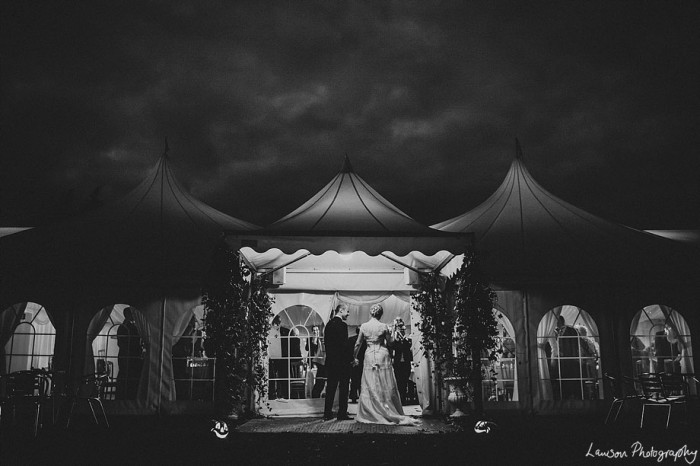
(611, 307)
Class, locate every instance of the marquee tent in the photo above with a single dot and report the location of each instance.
(525, 234)
(545, 256)
(348, 243)
(151, 250)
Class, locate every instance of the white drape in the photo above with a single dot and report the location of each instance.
(683, 332)
(394, 305)
(545, 336)
(94, 328)
(510, 331)
(422, 368)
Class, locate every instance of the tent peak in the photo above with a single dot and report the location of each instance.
(518, 150)
(347, 168)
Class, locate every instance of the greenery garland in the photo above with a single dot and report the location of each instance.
(458, 324)
(476, 327)
(237, 321)
(436, 324)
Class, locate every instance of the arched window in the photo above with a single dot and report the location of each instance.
(502, 384)
(28, 337)
(193, 371)
(293, 347)
(115, 346)
(660, 341)
(568, 352)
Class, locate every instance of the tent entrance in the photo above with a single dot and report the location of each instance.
(305, 292)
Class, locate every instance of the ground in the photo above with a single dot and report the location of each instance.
(517, 439)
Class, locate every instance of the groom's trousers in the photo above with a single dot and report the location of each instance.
(337, 375)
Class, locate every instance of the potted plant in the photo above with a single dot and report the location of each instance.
(476, 328)
(458, 326)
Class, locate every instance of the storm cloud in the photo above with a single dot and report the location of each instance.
(260, 102)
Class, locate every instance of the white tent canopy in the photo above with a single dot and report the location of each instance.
(348, 244)
(150, 249)
(345, 216)
(526, 234)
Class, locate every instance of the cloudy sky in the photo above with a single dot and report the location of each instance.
(260, 101)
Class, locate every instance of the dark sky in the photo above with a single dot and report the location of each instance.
(260, 101)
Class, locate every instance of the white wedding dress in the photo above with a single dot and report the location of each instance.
(379, 401)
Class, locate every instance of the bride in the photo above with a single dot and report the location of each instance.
(380, 402)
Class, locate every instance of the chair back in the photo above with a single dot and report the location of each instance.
(673, 384)
(30, 383)
(612, 385)
(651, 385)
(92, 385)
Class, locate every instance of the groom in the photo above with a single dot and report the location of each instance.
(338, 362)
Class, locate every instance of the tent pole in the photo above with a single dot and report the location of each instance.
(161, 358)
(402, 264)
(526, 308)
(285, 265)
(444, 263)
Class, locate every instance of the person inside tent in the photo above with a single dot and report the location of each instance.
(668, 350)
(564, 364)
(317, 353)
(130, 357)
(403, 356)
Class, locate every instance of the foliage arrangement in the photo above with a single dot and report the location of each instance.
(237, 321)
(458, 325)
(476, 327)
(436, 324)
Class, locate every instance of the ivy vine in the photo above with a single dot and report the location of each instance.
(237, 321)
(476, 327)
(437, 322)
(458, 324)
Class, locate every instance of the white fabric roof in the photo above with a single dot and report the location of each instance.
(156, 234)
(526, 234)
(345, 216)
(686, 236)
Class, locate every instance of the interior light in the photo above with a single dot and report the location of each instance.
(346, 257)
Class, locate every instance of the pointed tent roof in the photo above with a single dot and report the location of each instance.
(526, 234)
(348, 215)
(347, 203)
(157, 234)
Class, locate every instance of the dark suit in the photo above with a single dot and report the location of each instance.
(403, 355)
(356, 371)
(338, 363)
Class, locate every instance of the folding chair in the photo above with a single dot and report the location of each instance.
(662, 390)
(620, 394)
(27, 388)
(90, 389)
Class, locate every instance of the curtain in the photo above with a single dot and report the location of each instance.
(156, 381)
(545, 336)
(9, 320)
(44, 341)
(510, 331)
(94, 328)
(322, 303)
(679, 325)
(180, 326)
(422, 370)
(394, 305)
